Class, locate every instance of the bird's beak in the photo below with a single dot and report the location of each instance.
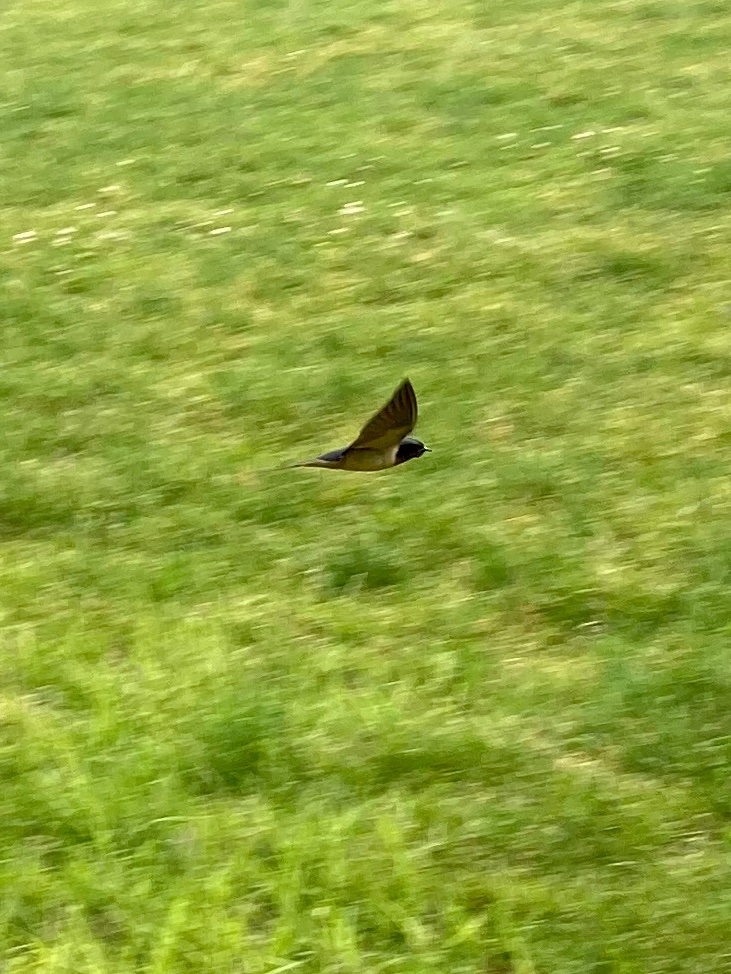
(427, 450)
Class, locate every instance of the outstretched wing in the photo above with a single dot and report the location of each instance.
(392, 423)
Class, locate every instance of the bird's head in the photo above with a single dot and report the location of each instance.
(409, 448)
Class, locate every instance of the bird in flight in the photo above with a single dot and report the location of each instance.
(383, 442)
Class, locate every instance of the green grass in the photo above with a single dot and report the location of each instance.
(468, 716)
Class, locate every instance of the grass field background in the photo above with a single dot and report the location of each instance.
(474, 714)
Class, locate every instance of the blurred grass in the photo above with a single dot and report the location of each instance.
(468, 716)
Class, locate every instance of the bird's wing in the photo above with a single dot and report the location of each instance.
(392, 423)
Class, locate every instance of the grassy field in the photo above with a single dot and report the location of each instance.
(474, 714)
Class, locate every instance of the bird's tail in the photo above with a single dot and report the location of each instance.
(317, 462)
(293, 466)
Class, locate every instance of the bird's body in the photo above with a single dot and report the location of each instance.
(362, 460)
(383, 442)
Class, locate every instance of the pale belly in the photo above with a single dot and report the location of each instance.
(370, 459)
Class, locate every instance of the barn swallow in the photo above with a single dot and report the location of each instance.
(383, 442)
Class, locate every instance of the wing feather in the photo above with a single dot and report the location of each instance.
(392, 423)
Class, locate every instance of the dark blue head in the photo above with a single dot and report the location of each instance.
(409, 448)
